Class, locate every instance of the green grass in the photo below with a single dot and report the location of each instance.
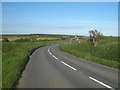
(106, 52)
(16, 54)
(34, 36)
(15, 57)
(48, 38)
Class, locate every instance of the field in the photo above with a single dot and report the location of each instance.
(33, 37)
(105, 53)
(48, 38)
(15, 55)
(16, 52)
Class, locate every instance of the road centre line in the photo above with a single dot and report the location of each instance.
(61, 61)
(49, 52)
(49, 49)
(55, 57)
(76, 69)
(68, 65)
(52, 54)
(101, 83)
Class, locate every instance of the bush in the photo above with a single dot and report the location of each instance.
(5, 40)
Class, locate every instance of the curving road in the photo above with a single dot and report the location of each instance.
(49, 67)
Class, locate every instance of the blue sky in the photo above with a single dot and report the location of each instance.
(74, 18)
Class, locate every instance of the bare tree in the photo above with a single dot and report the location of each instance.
(95, 36)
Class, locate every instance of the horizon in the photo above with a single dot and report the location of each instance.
(66, 18)
(51, 34)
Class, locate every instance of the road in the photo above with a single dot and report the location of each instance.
(49, 67)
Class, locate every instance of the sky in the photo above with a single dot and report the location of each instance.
(69, 18)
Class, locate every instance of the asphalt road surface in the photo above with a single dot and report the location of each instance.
(49, 67)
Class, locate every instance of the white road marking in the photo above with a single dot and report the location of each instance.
(55, 57)
(68, 65)
(49, 49)
(52, 54)
(101, 83)
(81, 73)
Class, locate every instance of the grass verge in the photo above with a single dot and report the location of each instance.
(106, 52)
(14, 59)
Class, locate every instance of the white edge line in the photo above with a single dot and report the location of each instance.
(101, 83)
(68, 65)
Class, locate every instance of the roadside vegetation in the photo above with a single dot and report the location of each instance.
(31, 37)
(16, 50)
(15, 55)
(104, 51)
